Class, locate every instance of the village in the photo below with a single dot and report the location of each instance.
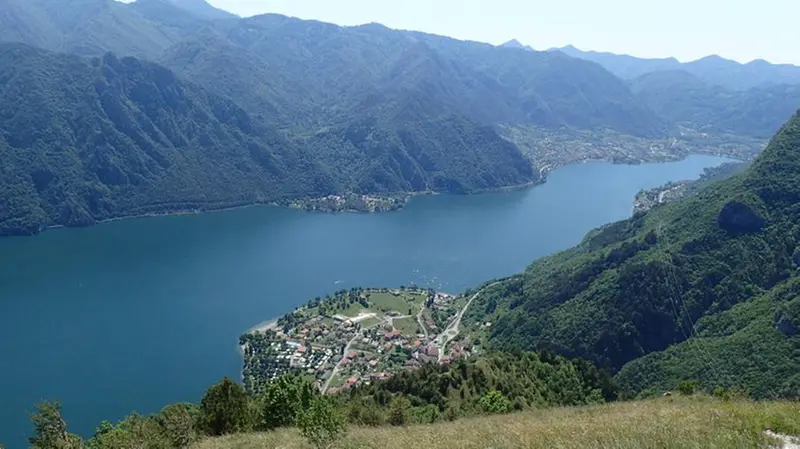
(356, 336)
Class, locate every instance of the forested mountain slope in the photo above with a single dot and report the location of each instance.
(725, 260)
(330, 71)
(86, 140)
(685, 99)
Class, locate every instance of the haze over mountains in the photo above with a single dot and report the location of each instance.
(712, 69)
(371, 110)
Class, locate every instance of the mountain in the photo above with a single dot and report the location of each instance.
(323, 73)
(713, 70)
(83, 27)
(685, 99)
(86, 140)
(513, 43)
(201, 8)
(704, 288)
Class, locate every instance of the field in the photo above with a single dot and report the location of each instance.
(407, 326)
(387, 302)
(664, 423)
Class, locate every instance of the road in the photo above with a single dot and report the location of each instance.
(452, 330)
(421, 324)
(347, 349)
(336, 368)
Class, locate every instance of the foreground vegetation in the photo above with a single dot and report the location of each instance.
(668, 423)
(491, 384)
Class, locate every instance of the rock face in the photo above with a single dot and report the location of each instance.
(739, 218)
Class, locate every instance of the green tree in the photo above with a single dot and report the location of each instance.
(283, 399)
(494, 402)
(132, 432)
(50, 429)
(321, 423)
(224, 408)
(399, 411)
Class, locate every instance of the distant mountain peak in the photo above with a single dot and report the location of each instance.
(203, 9)
(513, 43)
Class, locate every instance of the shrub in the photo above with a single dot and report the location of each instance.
(399, 411)
(321, 423)
(687, 387)
(283, 399)
(494, 402)
(178, 422)
(366, 412)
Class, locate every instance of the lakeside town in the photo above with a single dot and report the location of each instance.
(357, 336)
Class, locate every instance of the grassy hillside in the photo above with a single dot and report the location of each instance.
(717, 270)
(669, 423)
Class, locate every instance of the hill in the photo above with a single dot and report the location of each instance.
(683, 291)
(714, 70)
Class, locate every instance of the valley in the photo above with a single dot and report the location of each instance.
(600, 249)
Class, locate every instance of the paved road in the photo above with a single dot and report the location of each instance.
(336, 368)
(452, 330)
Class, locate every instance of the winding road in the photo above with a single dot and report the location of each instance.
(452, 330)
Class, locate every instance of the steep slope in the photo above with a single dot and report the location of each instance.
(83, 141)
(713, 69)
(685, 99)
(87, 140)
(637, 287)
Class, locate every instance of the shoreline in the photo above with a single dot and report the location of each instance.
(543, 171)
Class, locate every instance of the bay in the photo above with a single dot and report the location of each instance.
(137, 314)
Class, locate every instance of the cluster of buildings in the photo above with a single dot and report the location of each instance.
(340, 347)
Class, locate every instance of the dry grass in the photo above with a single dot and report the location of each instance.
(668, 423)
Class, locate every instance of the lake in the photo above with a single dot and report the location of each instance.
(136, 314)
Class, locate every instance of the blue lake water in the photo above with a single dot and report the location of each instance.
(136, 314)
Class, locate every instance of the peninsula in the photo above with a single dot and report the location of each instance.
(357, 336)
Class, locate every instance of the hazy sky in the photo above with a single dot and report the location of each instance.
(687, 29)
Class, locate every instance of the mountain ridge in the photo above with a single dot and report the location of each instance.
(712, 69)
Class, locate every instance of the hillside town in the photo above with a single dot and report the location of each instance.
(356, 336)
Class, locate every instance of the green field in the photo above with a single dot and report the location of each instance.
(370, 322)
(387, 302)
(408, 326)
